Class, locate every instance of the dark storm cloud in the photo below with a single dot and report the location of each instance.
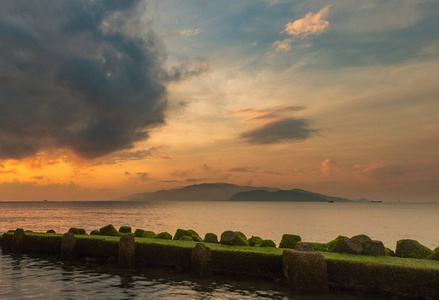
(71, 75)
(280, 131)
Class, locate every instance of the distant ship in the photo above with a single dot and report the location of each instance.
(330, 201)
(45, 200)
(376, 201)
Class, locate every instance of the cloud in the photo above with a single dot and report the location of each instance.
(271, 113)
(312, 23)
(252, 170)
(284, 130)
(128, 155)
(329, 167)
(195, 179)
(381, 170)
(183, 33)
(180, 173)
(73, 76)
(185, 71)
(283, 46)
(142, 175)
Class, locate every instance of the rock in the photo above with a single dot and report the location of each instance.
(127, 250)
(305, 272)
(304, 247)
(81, 231)
(412, 249)
(186, 238)
(255, 241)
(343, 244)
(163, 236)
(18, 240)
(211, 238)
(375, 248)
(389, 252)
(232, 238)
(125, 229)
(109, 230)
(242, 237)
(143, 233)
(201, 260)
(50, 231)
(361, 238)
(268, 243)
(435, 255)
(68, 246)
(289, 241)
(95, 232)
(74, 230)
(191, 233)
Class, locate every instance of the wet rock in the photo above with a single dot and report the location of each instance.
(255, 241)
(345, 245)
(109, 230)
(163, 236)
(289, 241)
(125, 229)
(186, 238)
(232, 238)
(305, 272)
(191, 233)
(389, 252)
(50, 231)
(201, 260)
(68, 246)
(81, 231)
(211, 238)
(375, 248)
(304, 247)
(268, 243)
(95, 232)
(412, 249)
(127, 250)
(18, 240)
(145, 234)
(435, 255)
(74, 230)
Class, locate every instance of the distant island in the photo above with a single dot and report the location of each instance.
(233, 192)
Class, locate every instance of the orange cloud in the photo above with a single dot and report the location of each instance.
(310, 24)
(282, 46)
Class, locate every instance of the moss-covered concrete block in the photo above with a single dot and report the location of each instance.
(163, 254)
(82, 231)
(345, 245)
(289, 241)
(191, 233)
(6, 240)
(255, 241)
(211, 238)
(232, 238)
(73, 230)
(186, 238)
(127, 250)
(361, 238)
(18, 240)
(68, 246)
(109, 230)
(125, 229)
(412, 249)
(95, 232)
(97, 246)
(373, 247)
(201, 260)
(268, 243)
(305, 272)
(304, 247)
(144, 233)
(163, 236)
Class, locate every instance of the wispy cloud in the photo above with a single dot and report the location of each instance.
(312, 23)
(184, 33)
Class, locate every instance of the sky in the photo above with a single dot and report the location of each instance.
(101, 99)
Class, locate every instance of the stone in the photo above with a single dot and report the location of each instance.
(68, 246)
(361, 238)
(50, 231)
(191, 233)
(255, 241)
(186, 238)
(18, 240)
(163, 236)
(109, 230)
(389, 252)
(344, 244)
(289, 241)
(95, 232)
(211, 238)
(412, 249)
(233, 239)
(125, 229)
(268, 243)
(305, 272)
(127, 251)
(81, 231)
(375, 248)
(201, 260)
(304, 247)
(74, 230)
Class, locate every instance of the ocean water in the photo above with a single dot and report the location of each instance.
(24, 276)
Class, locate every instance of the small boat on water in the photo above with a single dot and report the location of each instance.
(376, 201)
(330, 201)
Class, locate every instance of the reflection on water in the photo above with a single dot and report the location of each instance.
(318, 222)
(25, 276)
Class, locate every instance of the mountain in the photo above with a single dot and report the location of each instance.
(197, 192)
(295, 195)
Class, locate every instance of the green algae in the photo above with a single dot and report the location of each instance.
(268, 243)
(125, 229)
(144, 233)
(289, 241)
(336, 243)
(95, 232)
(109, 230)
(186, 238)
(211, 238)
(163, 236)
(412, 249)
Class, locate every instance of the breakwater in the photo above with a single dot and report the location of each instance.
(302, 269)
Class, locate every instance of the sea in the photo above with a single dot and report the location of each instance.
(38, 277)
